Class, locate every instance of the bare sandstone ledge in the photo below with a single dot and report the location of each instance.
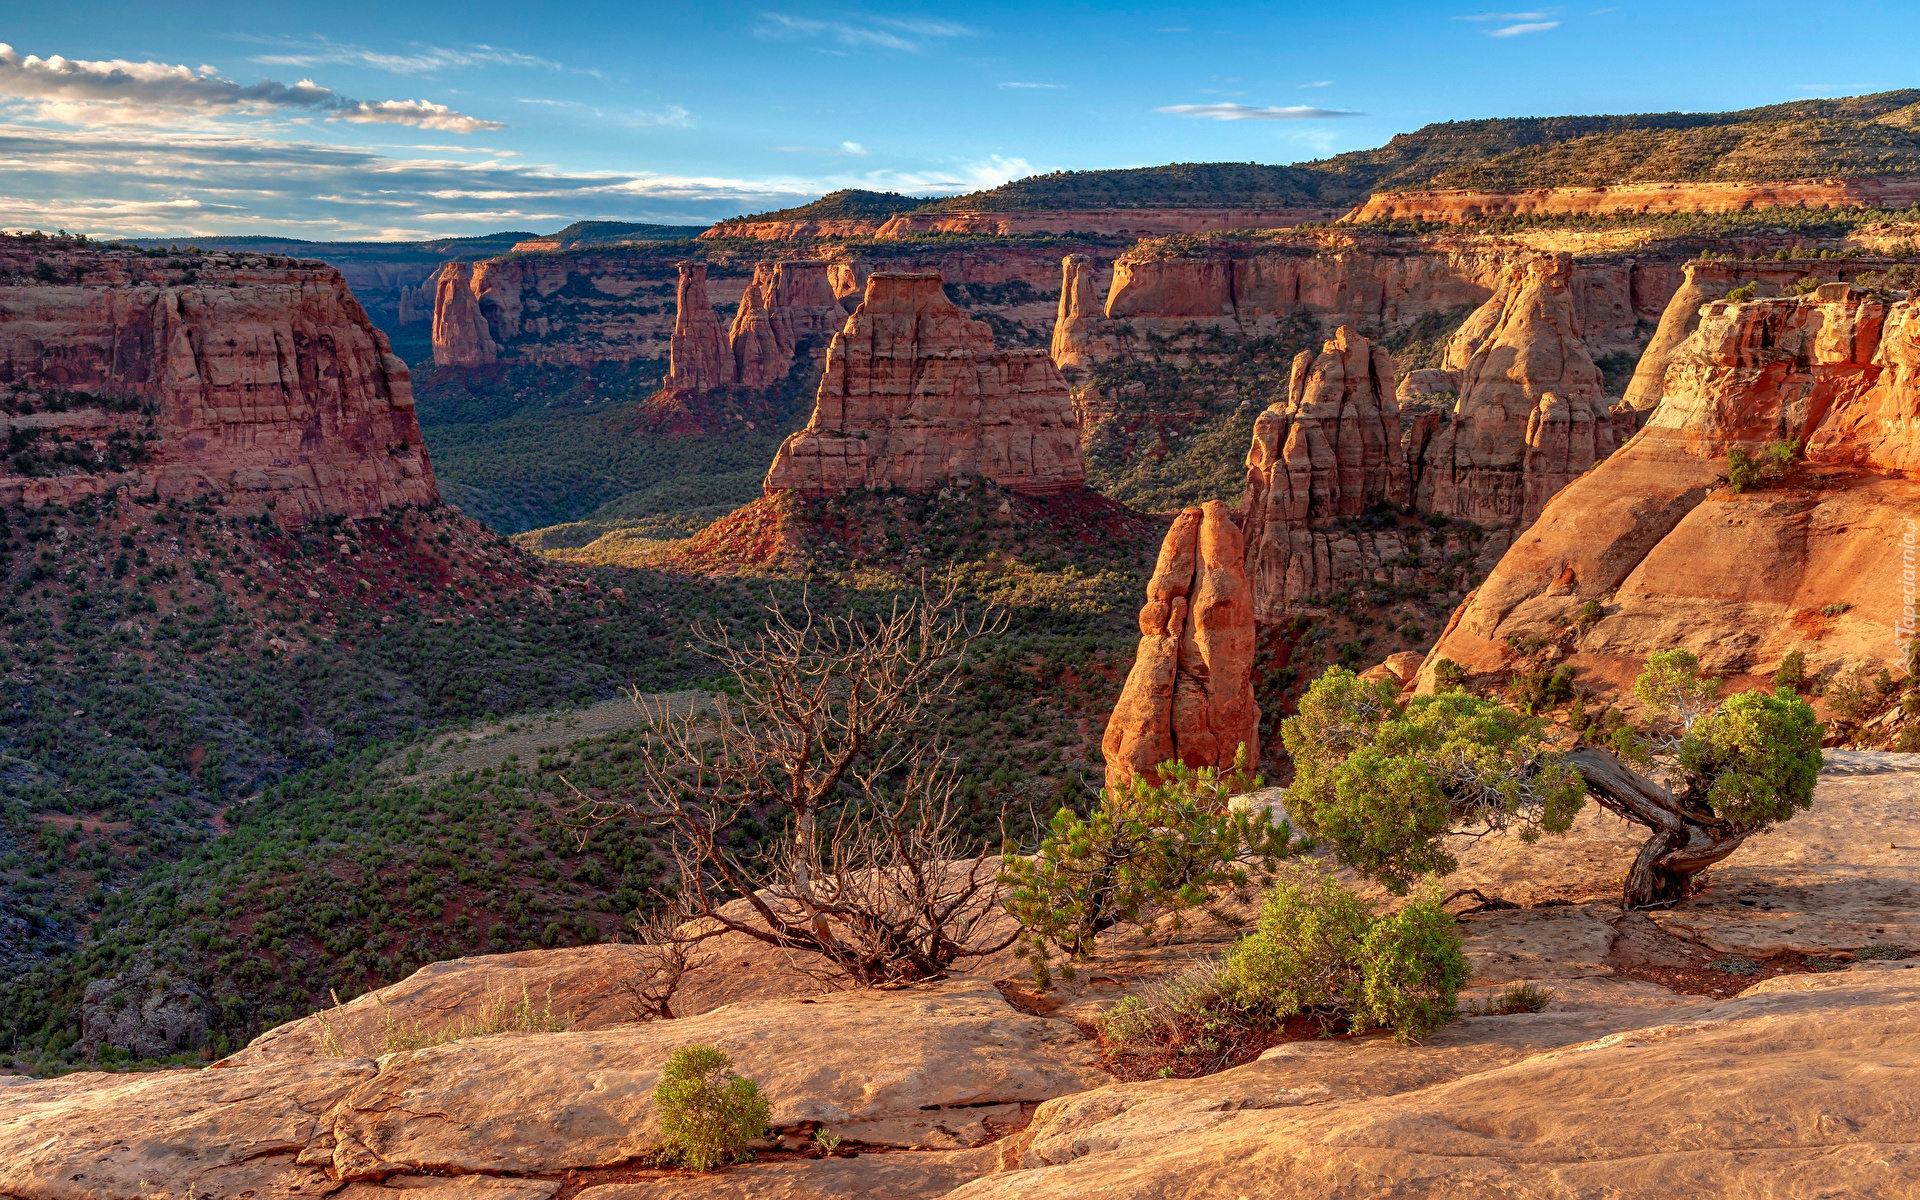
(1799, 1085)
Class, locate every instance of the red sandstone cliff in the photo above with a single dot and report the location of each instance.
(1189, 695)
(1102, 222)
(915, 395)
(460, 334)
(788, 304)
(1675, 558)
(1531, 414)
(1468, 204)
(252, 380)
(699, 357)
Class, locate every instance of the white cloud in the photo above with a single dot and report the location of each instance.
(119, 91)
(674, 117)
(889, 33)
(1248, 112)
(1318, 83)
(1047, 87)
(1517, 30)
(854, 149)
(843, 150)
(167, 182)
(1513, 16)
(424, 60)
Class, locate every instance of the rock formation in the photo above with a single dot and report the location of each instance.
(1102, 222)
(700, 358)
(1189, 696)
(1080, 313)
(460, 334)
(1531, 414)
(256, 382)
(788, 304)
(916, 396)
(1810, 563)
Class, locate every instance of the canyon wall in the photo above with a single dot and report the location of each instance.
(916, 396)
(699, 357)
(1469, 204)
(1809, 561)
(1101, 222)
(788, 305)
(1189, 695)
(254, 381)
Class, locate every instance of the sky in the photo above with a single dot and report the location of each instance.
(352, 120)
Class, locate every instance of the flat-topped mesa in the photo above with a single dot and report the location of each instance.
(460, 334)
(1332, 449)
(788, 304)
(1531, 414)
(1189, 696)
(255, 382)
(699, 358)
(915, 396)
(1676, 559)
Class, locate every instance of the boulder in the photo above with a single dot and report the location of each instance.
(916, 396)
(1189, 695)
(152, 1013)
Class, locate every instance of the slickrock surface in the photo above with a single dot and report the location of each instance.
(1798, 1079)
(915, 396)
(913, 1175)
(1531, 415)
(1189, 695)
(699, 358)
(1655, 537)
(584, 984)
(255, 380)
(787, 303)
(938, 1067)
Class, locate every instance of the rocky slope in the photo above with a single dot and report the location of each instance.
(254, 381)
(916, 396)
(1461, 205)
(1655, 537)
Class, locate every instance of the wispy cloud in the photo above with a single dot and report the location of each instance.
(891, 33)
(1507, 31)
(1514, 24)
(673, 116)
(843, 150)
(1248, 112)
(1318, 83)
(120, 91)
(1507, 16)
(1048, 87)
(423, 59)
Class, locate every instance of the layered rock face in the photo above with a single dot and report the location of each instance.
(1332, 449)
(916, 396)
(788, 304)
(1108, 222)
(1469, 204)
(571, 309)
(255, 381)
(1189, 696)
(1079, 316)
(1809, 563)
(460, 334)
(699, 357)
(1531, 414)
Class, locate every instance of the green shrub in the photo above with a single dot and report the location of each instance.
(1851, 696)
(1517, 998)
(707, 1113)
(1589, 615)
(1883, 950)
(1152, 848)
(1448, 674)
(1319, 948)
(1539, 691)
(1792, 674)
(1909, 740)
(1747, 292)
(1181, 1028)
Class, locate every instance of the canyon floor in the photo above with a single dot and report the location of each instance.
(1750, 1039)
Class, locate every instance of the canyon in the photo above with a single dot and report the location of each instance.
(254, 382)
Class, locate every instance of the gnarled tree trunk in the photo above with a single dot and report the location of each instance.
(1685, 840)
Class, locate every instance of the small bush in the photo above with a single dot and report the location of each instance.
(1182, 1028)
(1589, 615)
(1883, 683)
(1744, 293)
(1448, 674)
(1851, 695)
(1517, 998)
(1909, 740)
(1319, 948)
(707, 1113)
(1539, 691)
(1882, 951)
(1733, 964)
(1793, 671)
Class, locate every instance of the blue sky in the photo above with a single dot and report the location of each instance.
(392, 120)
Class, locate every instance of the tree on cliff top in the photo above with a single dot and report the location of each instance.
(1385, 783)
